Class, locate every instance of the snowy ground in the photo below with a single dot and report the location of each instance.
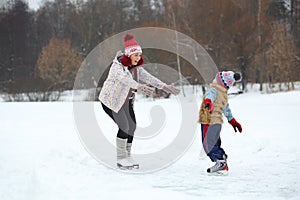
(41, 156)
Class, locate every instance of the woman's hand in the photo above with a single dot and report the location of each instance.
(145, 89)
(171, 89)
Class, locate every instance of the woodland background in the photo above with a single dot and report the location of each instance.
(41, 50)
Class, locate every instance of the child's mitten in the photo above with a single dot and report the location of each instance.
(235, 125)
(208, 104)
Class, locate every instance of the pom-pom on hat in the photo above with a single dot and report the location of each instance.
(131, 45)
(228, 78)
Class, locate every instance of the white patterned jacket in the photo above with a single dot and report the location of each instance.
(118, 83)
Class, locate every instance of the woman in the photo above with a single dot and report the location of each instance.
(118, 92)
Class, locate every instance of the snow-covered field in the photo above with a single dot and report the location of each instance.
(41, 156)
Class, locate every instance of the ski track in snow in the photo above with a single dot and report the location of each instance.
(42, 157)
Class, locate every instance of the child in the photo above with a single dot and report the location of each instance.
(215, 102)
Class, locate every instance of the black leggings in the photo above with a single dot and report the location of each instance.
(125, 119)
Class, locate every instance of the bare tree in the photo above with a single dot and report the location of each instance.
(281, 57)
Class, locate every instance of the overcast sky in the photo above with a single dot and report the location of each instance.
(34, 4)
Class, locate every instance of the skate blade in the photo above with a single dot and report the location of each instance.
(136, 166)
(219, 173)
(124, 167)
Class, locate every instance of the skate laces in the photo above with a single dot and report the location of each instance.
(124, 162)
(220, 164)
(132, 160)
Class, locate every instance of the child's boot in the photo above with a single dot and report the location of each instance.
(219, 165)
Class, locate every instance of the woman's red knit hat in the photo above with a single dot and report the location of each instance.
(131, 45)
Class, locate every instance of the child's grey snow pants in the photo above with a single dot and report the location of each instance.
(211, 141)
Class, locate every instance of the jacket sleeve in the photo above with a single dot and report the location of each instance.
(227, 113)
(211, 94)
(149, 79)
(117, 72)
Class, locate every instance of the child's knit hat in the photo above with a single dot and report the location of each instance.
(228, 78)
